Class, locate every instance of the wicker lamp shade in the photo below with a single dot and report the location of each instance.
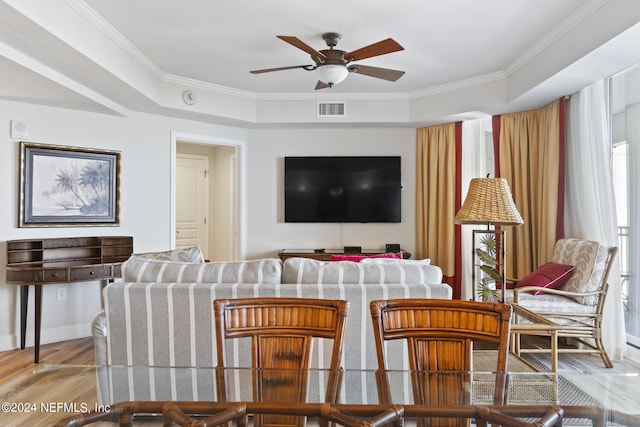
(489, 201)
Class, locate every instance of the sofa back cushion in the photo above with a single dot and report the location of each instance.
(138, 269)
(310, 271)
(193, 254)
(589, 259)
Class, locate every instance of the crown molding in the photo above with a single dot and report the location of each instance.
(553, 36)
(460, 84)
(115, 36)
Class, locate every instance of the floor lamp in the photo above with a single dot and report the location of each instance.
(489, 202)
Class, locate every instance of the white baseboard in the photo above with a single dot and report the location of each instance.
(7, 342)
(47, 335)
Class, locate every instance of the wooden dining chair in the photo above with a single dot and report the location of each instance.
(440, 336)
(281, 331)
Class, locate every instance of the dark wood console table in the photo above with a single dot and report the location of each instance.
(61, 260)
(326, 255)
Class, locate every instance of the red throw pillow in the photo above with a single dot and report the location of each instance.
(550, 275)
(358, 258)
(354, 258)
(397, 255)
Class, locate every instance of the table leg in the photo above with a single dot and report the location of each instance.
(24, 302)
(38, 322)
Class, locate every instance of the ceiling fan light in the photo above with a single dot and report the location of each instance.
(332, 74)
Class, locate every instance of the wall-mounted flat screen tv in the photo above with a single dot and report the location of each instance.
(342, 189)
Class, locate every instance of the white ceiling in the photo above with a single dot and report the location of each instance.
(118, 56)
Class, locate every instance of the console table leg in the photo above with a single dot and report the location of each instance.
(38, 322)
(24, 301)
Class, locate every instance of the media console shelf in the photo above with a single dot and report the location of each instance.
(61, 260)
(326, 255)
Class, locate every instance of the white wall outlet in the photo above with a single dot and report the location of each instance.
(62, 292)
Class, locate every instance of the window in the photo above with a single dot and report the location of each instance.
(625, 108)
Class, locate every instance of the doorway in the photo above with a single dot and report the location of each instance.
(192, 201)
(206, 197)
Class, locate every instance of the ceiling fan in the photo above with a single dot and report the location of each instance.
(333, 65)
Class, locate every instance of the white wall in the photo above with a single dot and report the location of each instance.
(145, 143)
(266, 230)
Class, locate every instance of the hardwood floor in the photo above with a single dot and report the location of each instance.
(14, 363)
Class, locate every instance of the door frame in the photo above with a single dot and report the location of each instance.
(239, 202)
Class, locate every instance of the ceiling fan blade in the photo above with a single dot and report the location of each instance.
(381, 48)
(268, 70)
(377, 72)
(301, 45)
(321, 85)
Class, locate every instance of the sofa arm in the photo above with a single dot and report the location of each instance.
(99, 333)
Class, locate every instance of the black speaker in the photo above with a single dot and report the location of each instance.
(392, 247)
(352, 249)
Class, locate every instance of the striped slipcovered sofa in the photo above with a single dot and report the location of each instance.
(160, 316)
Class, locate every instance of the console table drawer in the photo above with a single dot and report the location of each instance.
(23, 276)
(93, 272)
(54, 275)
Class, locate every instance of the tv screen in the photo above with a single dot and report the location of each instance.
(342, 189)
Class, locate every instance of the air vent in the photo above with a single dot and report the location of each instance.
(331, 109)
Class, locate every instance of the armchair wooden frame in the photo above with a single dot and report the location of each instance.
(281, 331)
(440, 336)
(583, 328)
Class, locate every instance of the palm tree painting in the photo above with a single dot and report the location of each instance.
(85, 189)
(69, 185)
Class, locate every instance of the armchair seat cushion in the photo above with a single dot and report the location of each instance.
(547, 305)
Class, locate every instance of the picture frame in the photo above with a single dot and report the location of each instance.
(63, 186)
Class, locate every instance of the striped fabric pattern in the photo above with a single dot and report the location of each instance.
(192, 254)
(306, 270)
(145, 270)
(170, 324)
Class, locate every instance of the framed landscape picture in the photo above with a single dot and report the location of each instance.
(68, 186)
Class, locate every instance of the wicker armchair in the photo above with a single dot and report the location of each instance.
(577, 306)
(440, 336)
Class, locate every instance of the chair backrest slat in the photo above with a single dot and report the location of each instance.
(281, 332)
(440, 336)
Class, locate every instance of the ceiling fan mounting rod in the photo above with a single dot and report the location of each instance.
(331, 39)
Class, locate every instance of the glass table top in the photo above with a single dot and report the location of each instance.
(51, 393)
